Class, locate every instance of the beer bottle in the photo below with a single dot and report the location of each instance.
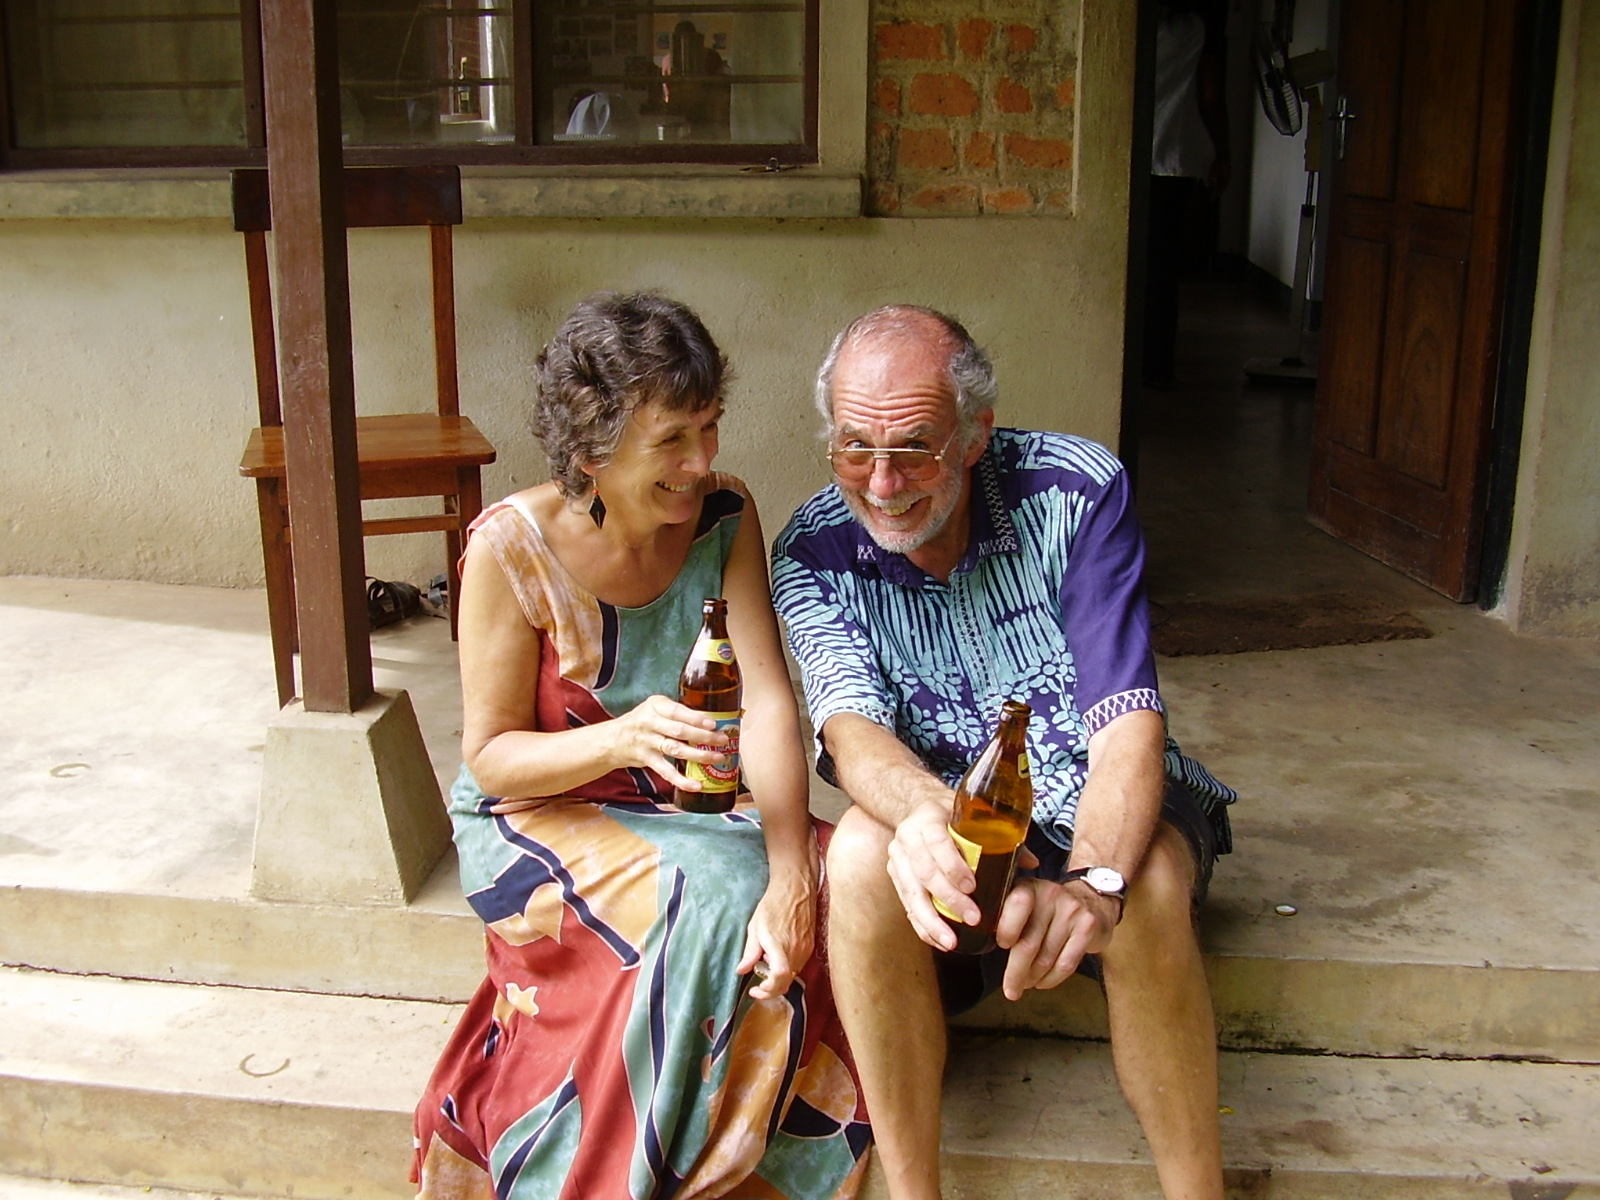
(710, 683)
(994, 802)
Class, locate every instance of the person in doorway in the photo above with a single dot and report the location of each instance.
(1189, 162)
(951, 566)
(623, 1043)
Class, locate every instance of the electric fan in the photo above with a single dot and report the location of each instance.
(1282, 83)
(1280, 98)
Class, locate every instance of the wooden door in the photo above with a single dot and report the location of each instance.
(1415, 274)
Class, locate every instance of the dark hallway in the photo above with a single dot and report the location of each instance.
(1222, 470)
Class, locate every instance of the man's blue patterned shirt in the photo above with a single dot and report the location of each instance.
(1047, 607)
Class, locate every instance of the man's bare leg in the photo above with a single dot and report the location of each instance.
(888, 999)
(1163, 1034)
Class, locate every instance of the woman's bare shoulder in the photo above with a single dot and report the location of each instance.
(541, 501)
(721, 481)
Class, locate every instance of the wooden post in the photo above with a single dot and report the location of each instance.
(304, 165)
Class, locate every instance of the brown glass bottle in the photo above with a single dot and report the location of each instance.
(711, 683)
(994, 803)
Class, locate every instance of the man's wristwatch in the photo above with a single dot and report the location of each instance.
(1108, 881)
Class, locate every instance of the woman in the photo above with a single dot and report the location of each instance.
(623, 1044)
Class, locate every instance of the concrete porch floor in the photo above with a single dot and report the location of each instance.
(1432, 799)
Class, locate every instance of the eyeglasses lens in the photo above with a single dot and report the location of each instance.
(913, 464)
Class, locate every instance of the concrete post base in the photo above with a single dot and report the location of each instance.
(350, 808)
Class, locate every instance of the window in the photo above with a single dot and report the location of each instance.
(178, 82)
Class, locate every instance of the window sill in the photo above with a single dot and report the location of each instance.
(487, 194)
(666, 192)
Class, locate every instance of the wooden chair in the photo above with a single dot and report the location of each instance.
(414, 454)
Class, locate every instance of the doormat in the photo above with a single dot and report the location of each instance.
(1180, 628)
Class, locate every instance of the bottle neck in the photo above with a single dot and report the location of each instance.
(1013, 728)
(715, 624)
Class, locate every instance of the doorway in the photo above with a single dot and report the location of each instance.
(1224, 465)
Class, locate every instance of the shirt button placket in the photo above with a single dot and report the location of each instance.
(976, 653)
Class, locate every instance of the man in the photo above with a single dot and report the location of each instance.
(1189, 163)
(954, 565)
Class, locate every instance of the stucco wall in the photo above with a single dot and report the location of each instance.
(124, 400)
(127, 389)
(1553, 583)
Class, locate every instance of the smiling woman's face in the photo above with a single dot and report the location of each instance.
(660, 463)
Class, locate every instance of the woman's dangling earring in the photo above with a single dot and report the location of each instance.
(597, 509)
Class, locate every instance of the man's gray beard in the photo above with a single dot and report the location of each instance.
(944, 503)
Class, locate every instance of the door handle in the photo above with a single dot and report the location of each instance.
(1341, 118)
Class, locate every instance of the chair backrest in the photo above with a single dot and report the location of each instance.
(374, 198)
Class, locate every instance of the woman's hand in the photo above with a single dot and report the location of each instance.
(783, 931)
(659, 731)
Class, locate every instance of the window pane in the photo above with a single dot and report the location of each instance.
(92, 73)
(664, 74)
(426, 72)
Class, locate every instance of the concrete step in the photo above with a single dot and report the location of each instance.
(429, 950)
(209, 1088)
(1043, 1117)
(20, 1187)
(433, 950)
(1389, 1009)
(262, 1093)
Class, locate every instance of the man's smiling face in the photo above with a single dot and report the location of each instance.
(892, 391)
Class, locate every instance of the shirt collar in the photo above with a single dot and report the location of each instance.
(992, 532)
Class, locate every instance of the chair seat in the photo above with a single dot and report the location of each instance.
(395, 443)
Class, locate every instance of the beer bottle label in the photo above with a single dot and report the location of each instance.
(970, 851)
(1022, 764)
(719, 776)
(715, 650)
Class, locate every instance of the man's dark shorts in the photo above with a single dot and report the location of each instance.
(965, 979)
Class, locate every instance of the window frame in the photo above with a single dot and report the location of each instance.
(521, 152)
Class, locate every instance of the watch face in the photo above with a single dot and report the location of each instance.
(1105, 880)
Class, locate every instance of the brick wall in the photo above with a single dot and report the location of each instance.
(972, 107)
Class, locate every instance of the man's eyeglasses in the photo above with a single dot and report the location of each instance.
(912, 462)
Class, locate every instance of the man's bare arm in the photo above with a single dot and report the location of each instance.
(1048, 926)
(1121, 799)
(878, 772)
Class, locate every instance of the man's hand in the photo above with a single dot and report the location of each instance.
(1049, 927)
(924, 863)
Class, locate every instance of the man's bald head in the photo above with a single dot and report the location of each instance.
(971, 376)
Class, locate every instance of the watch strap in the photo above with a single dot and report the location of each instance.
(1083, 873)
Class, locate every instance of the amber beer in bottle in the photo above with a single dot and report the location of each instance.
(994, 802)
(711, 683)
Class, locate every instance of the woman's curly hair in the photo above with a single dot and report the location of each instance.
(612, 355)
